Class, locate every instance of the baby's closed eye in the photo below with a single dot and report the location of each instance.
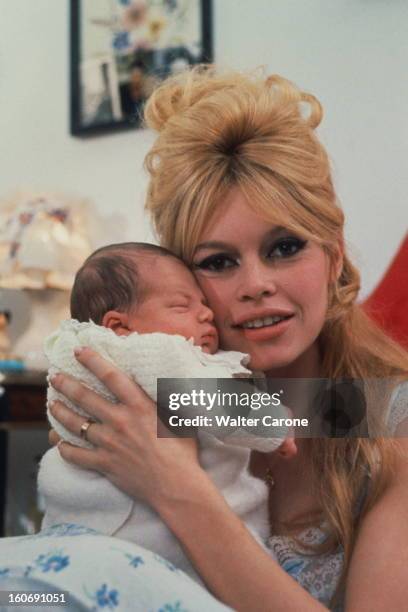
(180, 306)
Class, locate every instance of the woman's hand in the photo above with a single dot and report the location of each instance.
(127, 450)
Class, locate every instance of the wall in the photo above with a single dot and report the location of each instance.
(352, 54)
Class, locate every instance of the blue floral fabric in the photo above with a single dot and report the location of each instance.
(99, 573)
(104, 573)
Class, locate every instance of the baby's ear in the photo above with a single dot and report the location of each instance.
(118, 322)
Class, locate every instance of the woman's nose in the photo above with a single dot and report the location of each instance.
(256, 282)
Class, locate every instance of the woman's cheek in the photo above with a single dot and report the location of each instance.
(313, 295)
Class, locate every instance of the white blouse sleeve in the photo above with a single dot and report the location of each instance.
(398, 413)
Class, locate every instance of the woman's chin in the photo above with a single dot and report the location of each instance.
(296, 361)
(267, 356)
(268, 361)
(268, 365)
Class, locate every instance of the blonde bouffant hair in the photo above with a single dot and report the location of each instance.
(221, 130)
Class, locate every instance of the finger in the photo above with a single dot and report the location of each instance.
(85, 458)
(163, 431)
(126, 390)
(73, 422)
(82, 396)
(288, 448)
(53, 437)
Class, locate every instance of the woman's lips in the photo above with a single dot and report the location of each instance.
(268, 332)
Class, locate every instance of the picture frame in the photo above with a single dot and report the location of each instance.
(121, 49)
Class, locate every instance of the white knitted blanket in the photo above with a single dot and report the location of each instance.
(82, 496)
(144, 358)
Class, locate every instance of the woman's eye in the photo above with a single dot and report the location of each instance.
(216, 263)
(286, 248)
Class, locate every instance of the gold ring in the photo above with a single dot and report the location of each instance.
(84, 428)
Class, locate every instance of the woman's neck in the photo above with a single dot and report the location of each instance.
(307, 365)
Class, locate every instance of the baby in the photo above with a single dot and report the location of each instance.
(140, 307)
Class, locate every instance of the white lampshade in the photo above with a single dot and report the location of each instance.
(43, 242)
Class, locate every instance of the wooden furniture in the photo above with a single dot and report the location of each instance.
(22, 406)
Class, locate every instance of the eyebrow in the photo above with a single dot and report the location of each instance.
(213, 244)
(217, 244)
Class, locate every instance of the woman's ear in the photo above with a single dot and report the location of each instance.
(117, 322)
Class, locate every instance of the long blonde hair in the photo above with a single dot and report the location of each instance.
(220, 130)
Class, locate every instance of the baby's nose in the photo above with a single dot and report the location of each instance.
(205, 314)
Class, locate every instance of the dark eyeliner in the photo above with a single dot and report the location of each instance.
(292, 241)
(215, 262)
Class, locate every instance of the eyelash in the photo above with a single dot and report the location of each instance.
(218, 262)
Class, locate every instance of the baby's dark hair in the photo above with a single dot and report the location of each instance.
(109, 279)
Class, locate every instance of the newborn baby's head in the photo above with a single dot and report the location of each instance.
(141, 287)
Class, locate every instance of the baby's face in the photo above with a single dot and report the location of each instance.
(174, 304)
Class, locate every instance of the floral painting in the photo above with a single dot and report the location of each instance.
(121, 49)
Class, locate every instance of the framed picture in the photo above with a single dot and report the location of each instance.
(121, 50)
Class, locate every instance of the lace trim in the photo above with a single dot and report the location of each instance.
(318, 574)
(399, 406)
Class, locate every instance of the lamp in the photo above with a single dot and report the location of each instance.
(43, 241)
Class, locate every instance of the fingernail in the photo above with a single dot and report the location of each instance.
(78, 350)
(54, 378)
(51, 407)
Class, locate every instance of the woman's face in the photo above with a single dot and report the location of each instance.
(266, 286)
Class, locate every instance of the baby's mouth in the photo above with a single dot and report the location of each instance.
(209, 339)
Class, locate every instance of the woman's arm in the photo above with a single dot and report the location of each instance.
(233, 565)
(165, 472)
(378, 571)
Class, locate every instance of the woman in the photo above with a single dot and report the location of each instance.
(241, 189)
